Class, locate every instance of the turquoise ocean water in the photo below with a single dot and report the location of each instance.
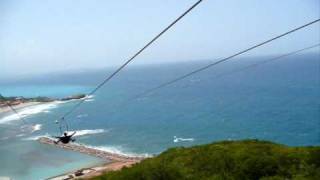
(277, 101)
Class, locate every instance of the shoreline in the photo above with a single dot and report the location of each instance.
(20, 106)
(21, 102)
(114, 161)
(93, 171)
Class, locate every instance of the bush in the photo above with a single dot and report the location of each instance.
(247, 159)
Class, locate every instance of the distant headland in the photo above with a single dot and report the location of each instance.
(25, 101)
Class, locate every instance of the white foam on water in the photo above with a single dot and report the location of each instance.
(28, 111)
(89, 98)
(5, 178)
(87, 132)
(118, 150)
(82, 115)
(20, 135)
(176, 139)
(61, 102)
(78, 133)
(34, 138)
(36, 127)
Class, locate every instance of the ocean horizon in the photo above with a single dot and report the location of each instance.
(276, 101)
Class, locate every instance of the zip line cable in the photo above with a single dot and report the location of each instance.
(184, 76)
(221, 75)
(272, 59)
(174, 80)
(129, 60)
(268, 60)
(233, 71)
(252, 66)
(221, 61)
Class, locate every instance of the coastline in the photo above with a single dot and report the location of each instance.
(93, 171)
(21, 102)
(111, 161)
(20, 106)
(37, 101)
(114, 161)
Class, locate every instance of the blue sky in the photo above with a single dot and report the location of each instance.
(41, 36)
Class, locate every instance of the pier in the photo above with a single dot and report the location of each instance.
(114, 161)
(91, 151)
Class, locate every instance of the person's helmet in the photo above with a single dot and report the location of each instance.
(65, 133)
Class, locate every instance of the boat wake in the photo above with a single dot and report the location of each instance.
(176, 139)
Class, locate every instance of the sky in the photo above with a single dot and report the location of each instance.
(47, 36)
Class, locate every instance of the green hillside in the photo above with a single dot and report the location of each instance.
(248, 159)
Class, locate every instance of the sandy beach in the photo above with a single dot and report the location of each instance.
(19, 106)
(27, 102)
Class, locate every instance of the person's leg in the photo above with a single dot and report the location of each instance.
(56, 142)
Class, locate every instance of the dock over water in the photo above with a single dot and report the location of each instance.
(90, 151)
